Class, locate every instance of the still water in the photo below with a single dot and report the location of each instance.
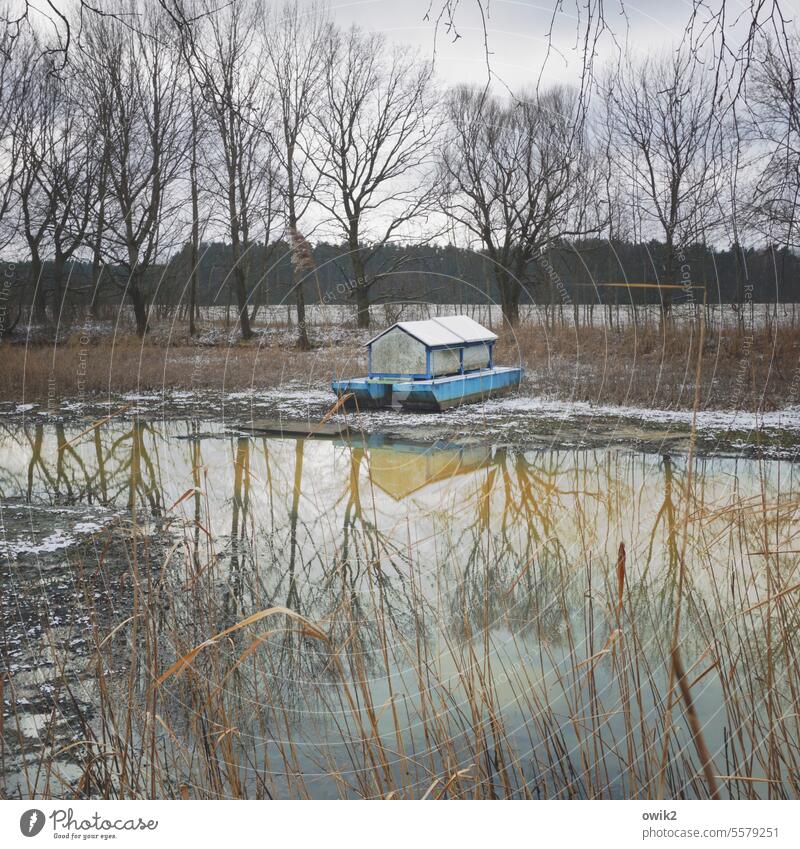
(481, 626)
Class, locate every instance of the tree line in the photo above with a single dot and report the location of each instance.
(255, 154)
(440, 274)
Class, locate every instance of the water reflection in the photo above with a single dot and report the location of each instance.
(419, 560)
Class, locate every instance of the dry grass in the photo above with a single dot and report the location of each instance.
(640, 367)
(657, 368)
(39, 372)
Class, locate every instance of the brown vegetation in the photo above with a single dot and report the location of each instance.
(36, 373)
(649, 367)
(655, 367)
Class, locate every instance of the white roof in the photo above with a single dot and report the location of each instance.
(446, 330)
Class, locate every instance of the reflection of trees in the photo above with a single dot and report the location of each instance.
(197, 462)
(240, 502)
(143, 482)
(344, 586)
(516, 537)
(36, 461)
(102, 482)
(667, 512)
(514, 565)
(108, 465)
(521, 552)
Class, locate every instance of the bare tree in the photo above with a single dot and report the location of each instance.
(733, 219)
(377, 129)
(94, 103)
(17, 62)
(344, 126)
(194, 191)
(239, 157)
(97, 225)
(294, 42)
(516, 179)
(69, 176)
(37, 114)
(57, 180)
(136, 84)
(661, 113)
(774, 99)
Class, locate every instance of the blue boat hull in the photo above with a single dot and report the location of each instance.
(364, 393)
(435, 394)
(442, 393)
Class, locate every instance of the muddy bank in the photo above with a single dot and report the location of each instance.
(521, 421)
(69, 574)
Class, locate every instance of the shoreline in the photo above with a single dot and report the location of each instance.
(518, 422)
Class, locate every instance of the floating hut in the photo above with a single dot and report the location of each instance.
(429, 365)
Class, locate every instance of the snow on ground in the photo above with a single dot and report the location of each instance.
(508, 412)
(286, 401)
(47, 529)
(143, 396)
(19, 408)
(297, 396)
(519, 409)
(56, 541)
(788, 419)
(499, 416)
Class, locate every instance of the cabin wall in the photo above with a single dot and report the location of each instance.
(445, 361)
(397, 353)
(476, 356)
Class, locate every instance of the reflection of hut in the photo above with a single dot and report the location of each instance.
(438, 346)
(400, 469)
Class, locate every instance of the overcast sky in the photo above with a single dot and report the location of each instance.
(517, 33)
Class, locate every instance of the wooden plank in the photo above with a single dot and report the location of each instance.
(295, 428)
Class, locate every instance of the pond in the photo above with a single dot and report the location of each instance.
(190, 611)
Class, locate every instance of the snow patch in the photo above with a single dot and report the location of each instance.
(58, 540)
(787, 419)
(507, 413)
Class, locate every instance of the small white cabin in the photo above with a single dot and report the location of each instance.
(434, 347)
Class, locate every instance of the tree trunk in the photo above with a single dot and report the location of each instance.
(58, 287)
(238, 279)
(139, 308)
(97, 248)
(741, 272)
(39, 301)
(362, 287)
(669, 274)
(362, 305)
(240, 290)
(193, 288)
(509, 296)
(239, 285)
(195, 244)
(97, 271)
(298, 272)
(303, 342)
